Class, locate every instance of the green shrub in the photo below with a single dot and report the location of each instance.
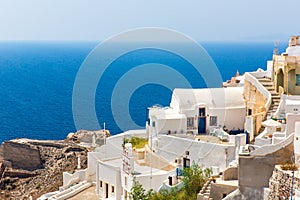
(137, 142)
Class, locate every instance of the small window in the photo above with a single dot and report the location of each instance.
(249, 112)
(125, 180)
(213, 121)
(153, 124)
(190, 122)
(298, 79)
(101, 184)
(112, 189)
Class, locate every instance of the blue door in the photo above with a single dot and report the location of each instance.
(202, 121)
(201, 125)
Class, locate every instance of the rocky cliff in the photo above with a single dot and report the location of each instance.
(21, 155)
(32, 167)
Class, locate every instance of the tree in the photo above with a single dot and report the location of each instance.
(194, 178)
(139, 193)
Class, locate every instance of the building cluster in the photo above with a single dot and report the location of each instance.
(244, 131)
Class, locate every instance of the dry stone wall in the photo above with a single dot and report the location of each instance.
(281, 182)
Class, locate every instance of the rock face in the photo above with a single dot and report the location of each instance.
(21, 156)
(33, 167)
(89, 138)
(281, 183)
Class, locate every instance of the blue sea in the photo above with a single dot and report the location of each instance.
(37, 78)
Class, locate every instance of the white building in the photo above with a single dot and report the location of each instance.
(114, 168)
(198, 110)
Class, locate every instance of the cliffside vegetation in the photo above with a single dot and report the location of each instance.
(193, 178)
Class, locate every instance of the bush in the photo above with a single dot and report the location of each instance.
(138, 192)
(194, 178)
(137, 142)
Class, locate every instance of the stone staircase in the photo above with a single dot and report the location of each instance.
(269, 85)
(205, 191)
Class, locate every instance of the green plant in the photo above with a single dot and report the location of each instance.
(137, 142)
(194, 178)
(138, 192)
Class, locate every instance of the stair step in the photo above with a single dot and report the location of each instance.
(273, 93)
(275, 97)
(270, 89)
(269, 84)
(264, 79)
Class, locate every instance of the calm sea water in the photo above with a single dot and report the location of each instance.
(36, 83)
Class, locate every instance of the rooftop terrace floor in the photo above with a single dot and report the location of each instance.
(88, 194)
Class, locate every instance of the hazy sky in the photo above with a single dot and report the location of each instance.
(99, 19)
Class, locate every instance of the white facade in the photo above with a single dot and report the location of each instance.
(297, 143)
(198, 110)
(114, 169)
(108, 183)
(202, 153)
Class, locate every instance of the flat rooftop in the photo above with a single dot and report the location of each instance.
(89, 193)
(139, 170)
(229, 182)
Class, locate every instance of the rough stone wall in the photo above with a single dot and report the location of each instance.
(21, 156)
(280, 184)
(256, 102)
(255, 172)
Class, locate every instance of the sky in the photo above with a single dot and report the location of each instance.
(96, 20)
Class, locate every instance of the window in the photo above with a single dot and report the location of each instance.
(101, 184)
(190, 122)
(249, 112)
(153, 124)
(112, 189)
(201, 112)
(125, 180)
(298, 79)
(213, 121)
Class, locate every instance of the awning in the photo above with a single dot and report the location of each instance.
(271, 123)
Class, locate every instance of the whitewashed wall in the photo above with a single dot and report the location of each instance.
(76, 177)
(297, 143)
(291, 119)
(165, 125)
(156, 182)
(203, 153)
